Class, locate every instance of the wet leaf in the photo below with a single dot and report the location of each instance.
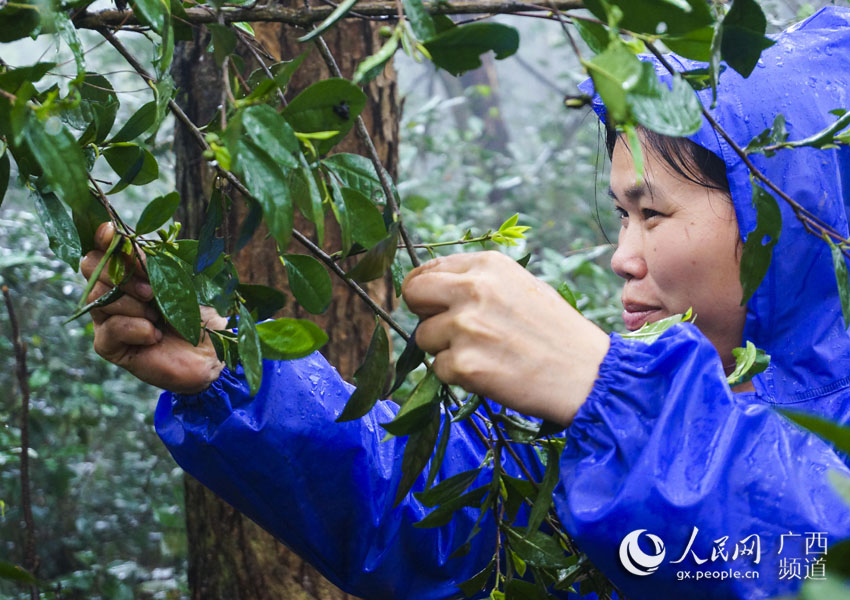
(448, 489)
(758, 247)
(62, 162)
(5, 168)
(175, 295)
(417, 452)
(544, 494)
(743, 36)
(250, 354)
(11, 572)
(674, 112)
(223, 42)
(357, 172)
(269, 131)
(419, 19)
(615, 72)
(133, 164)
(261, 300)
(153, 12)
(842, 279)
(695, 44)
(249, 224)
(308, 198)
(595, 35)
(537, 549)
(834, 433)
(287, 339)
(372, 66)
(378, 259)
(459, 49)
(369, 377)
(440, 453)
(469, 407)
(209, 246)
(417, 408)
(367, 223)
(309, 282)
(645, 16)
(157, 213)
(327, 105)
(479, 581)
(61, 233)
(749, 362)
(142, 120)
(411, 357)
(649, 332)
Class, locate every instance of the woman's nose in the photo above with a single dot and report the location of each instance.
(628, 260)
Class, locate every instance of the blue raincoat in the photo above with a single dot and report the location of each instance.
(705, 480)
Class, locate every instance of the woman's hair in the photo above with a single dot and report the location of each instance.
(687, 159)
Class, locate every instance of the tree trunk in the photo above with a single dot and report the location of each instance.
(230, 557)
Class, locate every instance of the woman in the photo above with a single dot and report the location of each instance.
(659, 449)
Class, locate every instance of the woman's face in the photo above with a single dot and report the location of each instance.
(677, 248)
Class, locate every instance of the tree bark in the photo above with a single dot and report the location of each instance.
(230, 557)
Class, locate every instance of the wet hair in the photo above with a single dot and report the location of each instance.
(690, 161)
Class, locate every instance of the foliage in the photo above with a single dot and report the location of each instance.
(278, 159)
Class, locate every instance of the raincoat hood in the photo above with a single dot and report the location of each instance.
(795, 315)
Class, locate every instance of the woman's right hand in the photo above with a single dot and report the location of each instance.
(131, 332)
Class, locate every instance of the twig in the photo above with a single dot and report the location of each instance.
(30, 558)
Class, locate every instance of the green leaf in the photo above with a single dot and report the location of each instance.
(5, 168)
(595, 35)
(459, 49)
(695, 44)
(269, 185)
(417, 408)
(537, 549)
(261, 300)
(250, 354)
(442, 515)
(356, 172)
(674, 112)
(153, 12)
(210, 247)
(743, 36)
(411, 357)
(834, 433)
(157, 213)
(378, 259)
(448, 489)
(142, 120)
(327, 105)
(62, 162)
(262, 86)
(419, 19)
(749, 362)
(417, 452)
(134, 164)
(841, 482)
(369, 377)
(479, 581)
(287, 339)
(777, 134)
(61, 233)
(645, 16)
(69, 35)
(649, 332)
(19, 21)
(544, 495)
(11, 572)
(97, 109)
(469, 407)
(372, 66)
(309, 282)
(269, 131)
(338, 13)
(758, 247)
(175, 295)
(87, 222)
(440, 454)
(223, 41)
(367, 223)
(615, 72)
(842, 279)
(307, 196)
(163, 93)
(516, 589)
(567, 294)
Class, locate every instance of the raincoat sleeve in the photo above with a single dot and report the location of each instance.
(663, 447)
(325, 489)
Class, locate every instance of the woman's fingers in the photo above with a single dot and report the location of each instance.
(138, 285)
(432, 292)
(434, 334)
(113, 336)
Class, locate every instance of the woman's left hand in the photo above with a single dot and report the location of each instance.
(497, 330)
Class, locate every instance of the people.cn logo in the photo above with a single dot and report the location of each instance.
(635, 560)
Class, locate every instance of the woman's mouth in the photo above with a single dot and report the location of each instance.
(635, 315)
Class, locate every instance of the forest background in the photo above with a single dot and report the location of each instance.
(107, 499)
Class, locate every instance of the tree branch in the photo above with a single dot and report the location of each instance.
(304, 17)
(30, 558)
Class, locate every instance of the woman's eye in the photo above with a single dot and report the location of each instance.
(621, 213)
(648, 213)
